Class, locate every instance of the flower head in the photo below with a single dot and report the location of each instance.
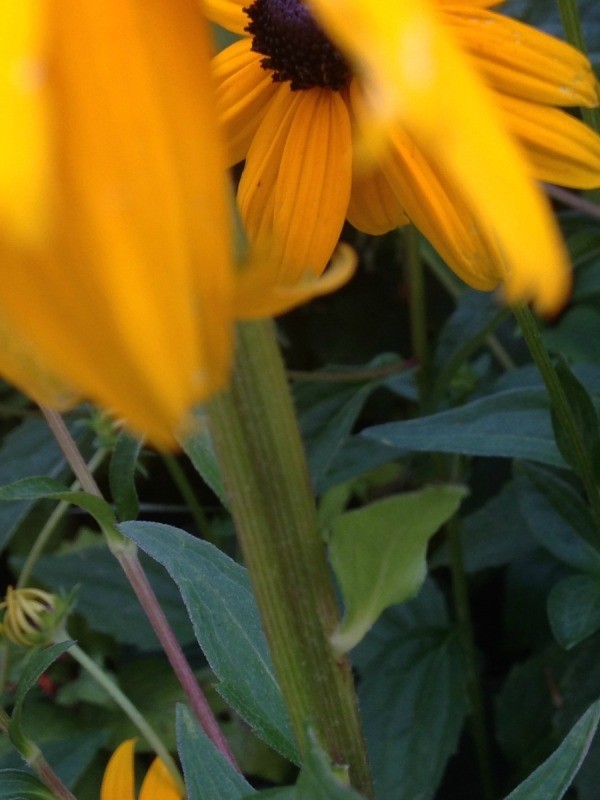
(118, 782)
(117, 281)
(31, 616)
(458, 105)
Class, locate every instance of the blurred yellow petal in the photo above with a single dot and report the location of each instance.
(21, 365)
(375, 207)
(518, 59)
(227, 13)
(560, 148)
(158, 784)
(243, 90)
(415, 76)
(118, 780)
(130, 262)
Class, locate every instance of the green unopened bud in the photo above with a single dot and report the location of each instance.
(31, 616)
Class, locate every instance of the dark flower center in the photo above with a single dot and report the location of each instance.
(295, 48)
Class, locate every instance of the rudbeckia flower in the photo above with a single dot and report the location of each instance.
(457, 105)
(117, 278)
(119, 780)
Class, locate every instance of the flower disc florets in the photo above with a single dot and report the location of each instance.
(296, 49)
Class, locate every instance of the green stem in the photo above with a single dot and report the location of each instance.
(474, 690)
(128, 708)
(571, 20)
(33, 756)
(125, 551)
(262, 459)
(51, 523)
(185, 490)
(564, 415)
(417, 307)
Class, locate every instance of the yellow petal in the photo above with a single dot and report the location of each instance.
(22, 133)
(519, 60)
(227, 13)
(374, 207)
(295, 189)
(416, 76)
(243, 91)
(261, 294)
(134, 264)
(20, 364)
(560, 148)
(118, 780)
(158, 784)
(434, 206)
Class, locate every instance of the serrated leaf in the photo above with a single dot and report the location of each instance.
(510, 424)
(412, 696)
(557, 516)
(34, 664)
(574, 609)
(584, 417)
(121, 475)
(551, 780)
(378, 554)
(17, 785)
(219, 601)
(208, 775)
(39, 488)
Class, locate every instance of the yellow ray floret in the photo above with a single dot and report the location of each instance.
(119, 780)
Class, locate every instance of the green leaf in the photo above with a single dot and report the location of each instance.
(105, 597)
(121, 475)
(578, 326)
(412, 696)
(526, 706)
(219, 600)
(208, 775)
(574, 609)
(30, 448)
(318, 779)
(584, 416)
(17, 785)
(329, 410)
(378, 554)
(200, 450)
(492, 536)
(510, 424)
(558, 517)
(38, 488)
(551, 780)
(35, 663)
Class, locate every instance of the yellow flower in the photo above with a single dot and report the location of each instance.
(31, 616)
(118, 781)
(117, 278)
(457, 103)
